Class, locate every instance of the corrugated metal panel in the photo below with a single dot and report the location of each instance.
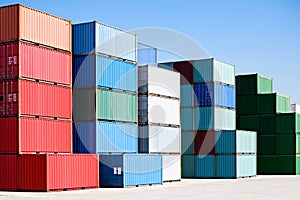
(187, 142)
(205, 166)
(25, 60)
(204, 118)
(116, 106)
(273, 103)
(117, 74)
(205, 143)
(160, 110)
(252, 84)
(56, 172)
(246, 165)
(248, 122)
(84, 71)
(187, 96)
(84, 40)
(171, 170)
(224, 119)
(84, 104)
(168, 66)
(8, 172)
(130, 170)
(153, 80)
(286, 144)
(21, 135)
(226, 142)
(37, 98)
(105, 137)
(288, 123)
(246, 141)
(267, 124)
(223, 72)
(185, 68)
(280, 165)
(247, 105)
(267, 144)
(226, 166)
(203, 70)
(187, 119)
(188, 166)
(159, 139)
(20, 22)
(147, 55)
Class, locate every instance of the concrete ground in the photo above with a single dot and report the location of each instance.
(261, 187)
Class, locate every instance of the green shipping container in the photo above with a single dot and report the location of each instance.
(267, 124)
(116, 106)
(247, 105)
(267, 144)
(288, 123)
(248, 122)
(273, 103)
(288, 144)
(188, 166)
(278, 165)
(253, 84)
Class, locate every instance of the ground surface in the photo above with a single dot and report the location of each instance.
(261, 187)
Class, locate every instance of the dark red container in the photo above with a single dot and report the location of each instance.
(32, 135)
(185, 68)
(8, 172)
(19, 59)
(23, 97)
(204, 143)
(46, 172)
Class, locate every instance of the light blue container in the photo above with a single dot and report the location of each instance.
(130, 170)
(187, 118)
(187, 143)
(212, 70)
(186, 96)
(168, 65)
(204, 118)
(205, 166)
(246, 165)
(95, 37)
(188, 166)
(147, 55)
(246, 141)
(104, 72)
(105, 137)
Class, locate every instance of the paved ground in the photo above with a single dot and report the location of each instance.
(261, 187)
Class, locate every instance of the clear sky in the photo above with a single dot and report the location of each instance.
(256, 35)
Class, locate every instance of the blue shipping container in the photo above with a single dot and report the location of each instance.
(226, 166)
(130, 170)
(204, 166)
(104, 72)
(225, 142)
(187, 118)
(187, 142)
(214, 94)
(94, 37)
(105, 137)
(147, 55)
(188, 166)
(187, 96)
(168, 65)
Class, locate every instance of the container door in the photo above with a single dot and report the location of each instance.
(12, 58)
(12, 97)
(2, 98)
(2, 61)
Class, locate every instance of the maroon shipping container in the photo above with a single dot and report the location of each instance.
(8, 169)
(31, 135)
(23, 97)
(49, 172)
(204, 143)
(19, 59)
(185, 68)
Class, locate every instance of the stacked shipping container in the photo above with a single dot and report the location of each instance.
(105, 105)
(261, 110)
(147, 55)
(36, 103)
(208, 117)
(159, 117)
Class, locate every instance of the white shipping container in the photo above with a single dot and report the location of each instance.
(158, 110)
(159, 139)
(295, 108)
(159, 81)
(246, 141)
(171, 167)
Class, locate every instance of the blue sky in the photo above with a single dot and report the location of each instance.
(256, 35)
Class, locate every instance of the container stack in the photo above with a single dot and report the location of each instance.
(147, 55)
(159, 117)
(36, 105)
(105, 80)
(210, 142)
(268, 113)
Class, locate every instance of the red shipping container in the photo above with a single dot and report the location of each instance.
(204, 143)
(19, 59)
(31, 135)
(23, 97)
(185, 68)
(19, 22)
(8, 172)
(46, 172)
